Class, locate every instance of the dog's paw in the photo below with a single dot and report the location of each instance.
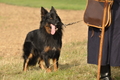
(48, 70)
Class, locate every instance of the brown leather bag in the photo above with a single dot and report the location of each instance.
(94, 13)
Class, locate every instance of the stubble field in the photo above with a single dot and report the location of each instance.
(16, 22)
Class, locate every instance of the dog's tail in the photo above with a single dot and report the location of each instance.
(29, 48)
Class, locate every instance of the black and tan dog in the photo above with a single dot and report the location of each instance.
(44, 43)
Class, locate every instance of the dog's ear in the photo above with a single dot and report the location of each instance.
(43, 12)
(52, 9)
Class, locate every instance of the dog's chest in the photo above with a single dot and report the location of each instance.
(52, 44)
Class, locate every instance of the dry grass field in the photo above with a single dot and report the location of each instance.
(16, 22)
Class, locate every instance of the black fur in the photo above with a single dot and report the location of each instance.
(41, 44)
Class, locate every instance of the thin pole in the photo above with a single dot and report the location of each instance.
(102, 39)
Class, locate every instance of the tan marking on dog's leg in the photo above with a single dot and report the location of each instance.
(46, 49)
(30, 56)
(26, 64)
(55, 64)
(41, 64)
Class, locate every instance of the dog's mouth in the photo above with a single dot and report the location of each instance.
(53, 29)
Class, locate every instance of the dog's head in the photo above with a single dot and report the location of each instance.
(50, 21)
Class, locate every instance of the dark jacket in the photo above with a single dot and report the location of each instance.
(111, 46)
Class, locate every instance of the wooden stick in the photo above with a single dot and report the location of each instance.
(102, 39)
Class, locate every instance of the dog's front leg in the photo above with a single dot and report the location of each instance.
(55, 64)
(41, 64)
(47, 63)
